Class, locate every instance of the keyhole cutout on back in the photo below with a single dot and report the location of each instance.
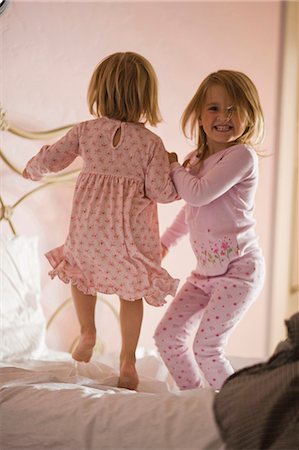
(116, 137)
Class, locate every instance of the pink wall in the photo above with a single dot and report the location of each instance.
(49, 51)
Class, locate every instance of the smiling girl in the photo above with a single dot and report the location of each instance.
(218, 182)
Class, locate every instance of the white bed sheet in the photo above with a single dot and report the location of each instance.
(60, 405)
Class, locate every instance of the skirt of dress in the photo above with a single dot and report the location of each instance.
(129, 278)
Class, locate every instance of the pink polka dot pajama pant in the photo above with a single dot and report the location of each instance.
(216, 305)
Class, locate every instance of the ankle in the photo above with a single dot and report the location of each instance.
(127, 359)
(88, 332)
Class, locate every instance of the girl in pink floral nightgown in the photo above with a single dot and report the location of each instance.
(113, 245)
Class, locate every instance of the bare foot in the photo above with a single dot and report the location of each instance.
(128, 377)
(84, 349)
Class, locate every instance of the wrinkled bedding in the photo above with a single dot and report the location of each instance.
(64, 405)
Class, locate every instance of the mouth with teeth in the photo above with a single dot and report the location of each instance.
(223, 128)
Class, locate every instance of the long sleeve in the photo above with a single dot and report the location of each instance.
(232, 167)
(158, 183)
(177, 229)
(53, 158)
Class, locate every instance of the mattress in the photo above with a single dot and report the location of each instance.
(63, 405)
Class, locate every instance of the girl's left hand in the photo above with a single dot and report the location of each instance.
(26, 174)
(172, 157)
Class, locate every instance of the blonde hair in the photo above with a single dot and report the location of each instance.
(124, 86)
(245, 100)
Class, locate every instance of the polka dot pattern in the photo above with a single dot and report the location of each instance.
(213, 305)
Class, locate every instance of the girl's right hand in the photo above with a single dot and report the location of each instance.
(172, 157)
(164, 250)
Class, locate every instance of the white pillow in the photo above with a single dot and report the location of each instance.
(23, 324)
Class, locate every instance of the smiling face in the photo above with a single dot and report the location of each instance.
(219, 119)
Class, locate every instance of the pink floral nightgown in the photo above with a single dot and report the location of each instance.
(113, 244)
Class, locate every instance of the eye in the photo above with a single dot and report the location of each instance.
(213, 108)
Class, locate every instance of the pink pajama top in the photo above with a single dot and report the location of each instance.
(113, 244)
(218, 214)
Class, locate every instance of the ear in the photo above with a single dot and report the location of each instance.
(199, 122)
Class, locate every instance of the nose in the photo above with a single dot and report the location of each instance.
(225, 114)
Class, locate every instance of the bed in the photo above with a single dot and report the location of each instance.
(50, 402)
(55, 405)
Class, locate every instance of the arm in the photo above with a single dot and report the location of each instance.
(53, 158)
(158, 183)
(176, 231)
(227, 172)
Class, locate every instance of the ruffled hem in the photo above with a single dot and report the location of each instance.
(154, 295)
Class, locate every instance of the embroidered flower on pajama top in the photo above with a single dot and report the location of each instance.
(218, 251)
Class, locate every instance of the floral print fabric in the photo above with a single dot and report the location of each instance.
(113, 245)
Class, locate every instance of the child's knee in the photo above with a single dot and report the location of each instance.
(204, 350)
